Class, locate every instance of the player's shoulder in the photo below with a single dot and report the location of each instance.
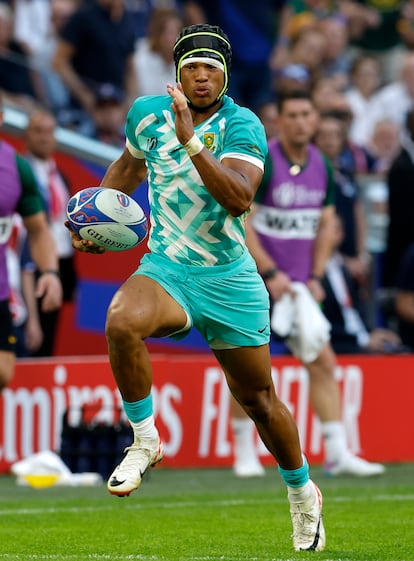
(151, 103)
(233, 109)
(148, 109)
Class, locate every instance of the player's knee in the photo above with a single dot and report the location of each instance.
(122, 323)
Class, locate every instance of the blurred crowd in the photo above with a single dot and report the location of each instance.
(85, 61)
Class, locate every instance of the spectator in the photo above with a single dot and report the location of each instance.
(308, 48)
(96, 46)
(336, 61)
(19, 193)
(331, 139)
(18, 81)
(404, 298)
(267, 113)
(291, 77)
(110, 115)
(40, 151)
(153, 59)
(56, 93)
(326, 95)
(374, 30)
(362, 97)
(343, 309)
(396, 99)
(400, 233)
(31, 23)
(140, 12)
(405, 25)
(384, 145)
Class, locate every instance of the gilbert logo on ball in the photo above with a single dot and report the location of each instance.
(107, 217)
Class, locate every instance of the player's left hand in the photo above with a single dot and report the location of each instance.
(49, 289)
(184, 127)
(85, 246)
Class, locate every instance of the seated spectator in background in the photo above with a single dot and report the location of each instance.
(396, 99)
(325, 94)
(40, 154)
(267, 113)
(153, 58)
(331, 139)
(22, 281)
(300, 14)
(18, 81)
(308, 48)
(404, 298)
(336, 61)
(110, 115)
(405, 25)
(400, 234)
(384, 145)
(373, 26)
(292, 77)
(140, 12)
(96, 46)
(344, 310)
(31, 23)
(56, 93)
(362, 98)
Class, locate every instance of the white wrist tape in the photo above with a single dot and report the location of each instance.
(193, 146)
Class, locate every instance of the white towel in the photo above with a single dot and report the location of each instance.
(299, 319)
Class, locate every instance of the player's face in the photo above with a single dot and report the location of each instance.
(297, 121)
(201, 83)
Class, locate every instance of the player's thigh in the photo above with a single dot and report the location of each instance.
(144, 306)
(247, 369)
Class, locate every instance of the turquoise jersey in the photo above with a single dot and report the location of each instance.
(187, 224)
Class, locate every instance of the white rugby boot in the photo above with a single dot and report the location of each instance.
(127, 476)
(308, 529)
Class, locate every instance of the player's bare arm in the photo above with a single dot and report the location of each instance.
(125, 173)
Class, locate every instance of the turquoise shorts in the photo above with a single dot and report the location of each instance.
(227, 304)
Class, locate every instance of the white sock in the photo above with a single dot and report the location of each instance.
(334, 438)
(244, 439)
(299, 494)
(145, 429)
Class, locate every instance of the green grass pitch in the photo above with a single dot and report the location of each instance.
(206, 515)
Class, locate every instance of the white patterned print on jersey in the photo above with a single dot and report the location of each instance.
(187, 225)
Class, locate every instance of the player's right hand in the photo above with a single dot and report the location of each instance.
(86, 246)
(184, 127)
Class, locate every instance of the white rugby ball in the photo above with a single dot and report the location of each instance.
(107, 217)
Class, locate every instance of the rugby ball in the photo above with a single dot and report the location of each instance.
(109, 218)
